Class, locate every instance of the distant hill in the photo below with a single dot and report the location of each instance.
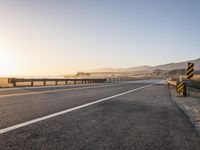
(139, 68)
(180, 65)
(131, 69)
(165, 67)
(177, 72)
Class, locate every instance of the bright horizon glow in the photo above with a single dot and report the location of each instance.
(62, 37)
(7, 66)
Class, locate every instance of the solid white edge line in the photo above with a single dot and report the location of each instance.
(67, 110)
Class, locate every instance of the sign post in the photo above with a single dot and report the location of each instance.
(180, 78)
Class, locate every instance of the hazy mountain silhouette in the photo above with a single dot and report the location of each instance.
(170, 66)
(180, 65)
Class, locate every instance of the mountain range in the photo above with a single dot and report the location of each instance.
(166, 67)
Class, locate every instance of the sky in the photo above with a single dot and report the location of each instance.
(56, 37)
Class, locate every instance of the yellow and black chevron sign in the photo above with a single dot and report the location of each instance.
(180, 87)
(190, 70)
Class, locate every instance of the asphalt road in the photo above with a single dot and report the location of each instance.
(135, 115)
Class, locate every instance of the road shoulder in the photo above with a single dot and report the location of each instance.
(190, 107)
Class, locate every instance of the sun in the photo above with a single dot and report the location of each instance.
(8, 65)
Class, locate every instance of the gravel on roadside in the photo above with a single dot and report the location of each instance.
(190, 107)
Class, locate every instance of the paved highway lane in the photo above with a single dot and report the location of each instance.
(142, 119)
(4, 92)
(23, 107)
(38, 89)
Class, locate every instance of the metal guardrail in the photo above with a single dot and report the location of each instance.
(180, 87)
(31, 81)
(15, 80)
(173, 83)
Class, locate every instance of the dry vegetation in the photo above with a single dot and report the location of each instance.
(196, 77)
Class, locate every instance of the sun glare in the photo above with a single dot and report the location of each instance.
(7, 63)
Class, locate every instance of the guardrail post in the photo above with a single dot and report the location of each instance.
(44, 83)
(185, 90)
(65, 82)
(14, 83)
(188, 83)
(31, 82)
(56, 82)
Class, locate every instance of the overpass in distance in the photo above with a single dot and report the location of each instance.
(135, 115)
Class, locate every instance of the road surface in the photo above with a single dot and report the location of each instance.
(135, 115)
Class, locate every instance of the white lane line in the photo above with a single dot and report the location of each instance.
(14, 127)
(58, 90)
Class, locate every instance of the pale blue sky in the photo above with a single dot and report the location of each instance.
(42, 37)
